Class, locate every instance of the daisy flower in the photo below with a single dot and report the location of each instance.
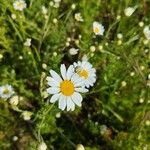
(98, 28)
(146, 32)
(78, 17)
(6, 91)
(66, 89)
(85, 70)
(19, 5)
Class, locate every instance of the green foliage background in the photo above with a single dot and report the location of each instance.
(108, 102)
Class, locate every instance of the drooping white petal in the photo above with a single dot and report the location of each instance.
(54, 98)
(62, 102)
(55, 76)
(53, 90)
(77, 99)
(63, 71)
(81, 90)
(70, 72)
(70, 104)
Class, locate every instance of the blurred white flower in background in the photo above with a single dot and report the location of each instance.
(129, 11)
(86, 71)
(6, 91)
(80, 147)
(14, 100)
(78, 17)
(42, 146)
(146, 32)
(26, 115)
(98, 28)
(73, 51)
(44, 10)
(27, 42)
(19, 5)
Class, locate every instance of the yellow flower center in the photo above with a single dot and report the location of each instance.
(6, 91)
(67, 87)
(83, 73)
(97, 30)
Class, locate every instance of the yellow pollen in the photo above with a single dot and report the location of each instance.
(6, 91)
(83, 73)
(97, 29)
(67, 87)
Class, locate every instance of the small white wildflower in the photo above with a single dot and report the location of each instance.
(14, 100)
(55, 20)
(80, 36)
(129, 11)
(67, 44)
(119, 42)
(92, 48)
(77, 42)
(106, 44)
(132, 74)
(15, 138)
(86, 71)
(51, 3)
(148, 76)
(147, 122)
(44, 10)
(56, 5)
(42, 146)
(57, 1)
(58, 115)
(55, 54)
(141, 100)
(100, 47)
(27, 42)
(146, 32)
(98, 28)
(6, 91)
(13, 16)
(123, 83)
(119, 36)
(142, 68)
(1, 56)
(73, 51)
(68, 39)
(73, 6)
(20, 57)
(103, 129)
(19, 5)
(27, 115)
(44, 66)
(78, 17)
(80, 147)
(141, 24)
(118, 17)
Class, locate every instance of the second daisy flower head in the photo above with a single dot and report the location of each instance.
(67, 88)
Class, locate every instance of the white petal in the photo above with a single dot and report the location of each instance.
(82, 90)
(63, 71)
(77, 99)
(80, 83)
(55, 76)
(52, 82)
(70, 72)
(70, 104)
(62, 102)
(76, 78)
(54, 98)
(53, 90)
